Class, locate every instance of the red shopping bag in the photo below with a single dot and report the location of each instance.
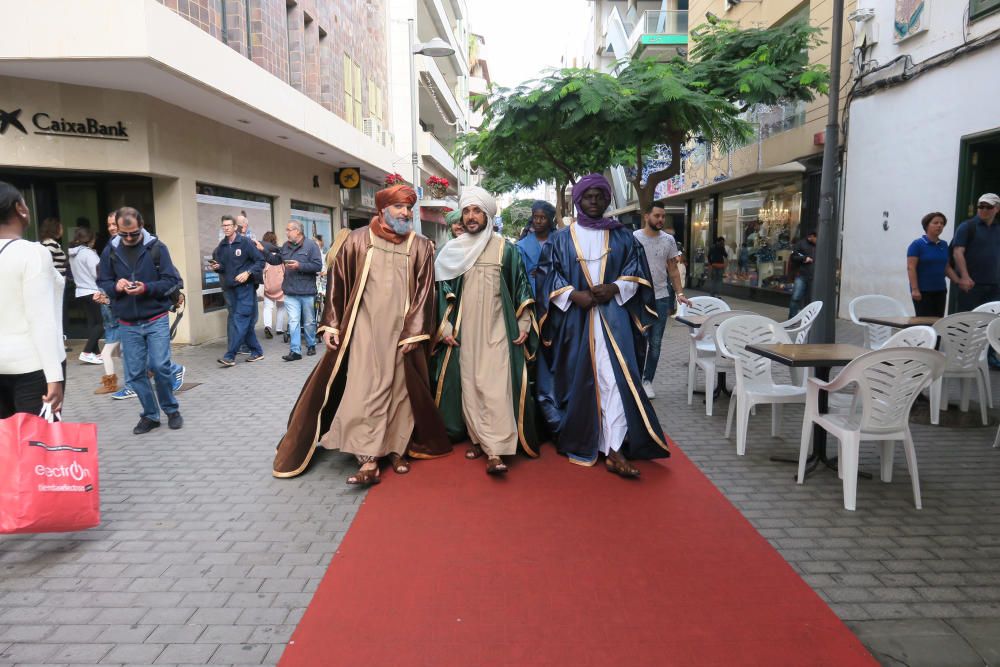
(48, 476)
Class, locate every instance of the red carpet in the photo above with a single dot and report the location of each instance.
(561, 565)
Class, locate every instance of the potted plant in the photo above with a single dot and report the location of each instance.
(393, 179)
(438, 187)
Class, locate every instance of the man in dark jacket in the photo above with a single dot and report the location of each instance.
(803, 259)
(138, 277)
(236, 260)
(302, 261)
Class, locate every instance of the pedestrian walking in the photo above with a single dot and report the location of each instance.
(274, 298)
(803, 262)
(717, 256)
(535, 235)
(31, 290)
(302, 261)
(83, 262)
(976, 250)
(661, 255)
(139, 279)
(927, 267)
(237, 259)
(112, 338)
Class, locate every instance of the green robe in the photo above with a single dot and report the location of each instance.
(516, 297)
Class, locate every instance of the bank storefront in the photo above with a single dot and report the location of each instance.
(78, 152)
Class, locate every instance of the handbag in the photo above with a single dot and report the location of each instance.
(48, 475)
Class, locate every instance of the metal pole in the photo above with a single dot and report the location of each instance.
(414, 123)
(825, 276)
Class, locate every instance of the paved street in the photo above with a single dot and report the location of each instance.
(204, 558)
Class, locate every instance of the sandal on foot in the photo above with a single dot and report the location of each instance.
(474, 452)
(619, 465)
(400, 464)
(495, 466)
(365, 476)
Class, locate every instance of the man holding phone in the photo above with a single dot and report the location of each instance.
(139, 277)
(302, 260)
(236, 260)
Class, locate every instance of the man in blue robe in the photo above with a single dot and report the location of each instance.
(543, 215)
(595, 302)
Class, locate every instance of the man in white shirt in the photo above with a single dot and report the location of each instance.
(662, 255)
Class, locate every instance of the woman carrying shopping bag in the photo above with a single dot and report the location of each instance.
(31, 345)
(274, 274)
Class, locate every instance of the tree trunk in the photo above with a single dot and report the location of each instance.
(647, 192)
(560, 202)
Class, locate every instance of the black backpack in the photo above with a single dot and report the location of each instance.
(176, 295)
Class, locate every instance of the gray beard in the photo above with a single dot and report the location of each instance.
(399, 225)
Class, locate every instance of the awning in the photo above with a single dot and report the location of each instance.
(760, 176)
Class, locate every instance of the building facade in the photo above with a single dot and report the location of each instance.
(923, 132)
(441, 101)
(764, 196)
(187, 110)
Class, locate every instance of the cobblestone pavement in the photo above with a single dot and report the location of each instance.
(204, 558)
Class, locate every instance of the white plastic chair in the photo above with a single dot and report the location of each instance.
(992, 307)
(922, 336)
(704, 354)
(993, 336)
(871, 305)
(887, 382)
(798, 330)
(963, 341)
(754, 382)
(703, 305)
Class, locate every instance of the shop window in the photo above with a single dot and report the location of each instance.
(700, 241)
(212, 203)
(981, 8)
(760, 228)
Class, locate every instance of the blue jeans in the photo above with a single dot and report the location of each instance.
(149, 343)
(655, 334)
(244, 300)
(800, 292)
(300, 310)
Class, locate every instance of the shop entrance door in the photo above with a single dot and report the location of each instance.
(979, 172)
(80, 200)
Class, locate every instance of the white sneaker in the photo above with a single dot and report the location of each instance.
(647, 387)
(90, 358)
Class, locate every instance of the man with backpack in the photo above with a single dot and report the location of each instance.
(976, 254)
(140, 281)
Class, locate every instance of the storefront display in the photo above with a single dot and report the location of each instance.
(760, 227)
(701, 225)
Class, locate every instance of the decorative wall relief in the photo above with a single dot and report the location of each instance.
(911, 18)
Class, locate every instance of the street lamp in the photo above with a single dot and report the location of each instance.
(436, 48)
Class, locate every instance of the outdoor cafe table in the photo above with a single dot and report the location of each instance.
(901, 322)
(822, 357)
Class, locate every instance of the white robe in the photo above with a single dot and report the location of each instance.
(614, 425)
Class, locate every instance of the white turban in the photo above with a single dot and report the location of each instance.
(459, 254)
(475, 195)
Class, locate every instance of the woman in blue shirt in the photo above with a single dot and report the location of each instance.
(927, 266)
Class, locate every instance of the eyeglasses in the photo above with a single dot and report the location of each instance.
(130, 235)
(986, 206)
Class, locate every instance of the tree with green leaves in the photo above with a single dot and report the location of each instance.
(576, 121)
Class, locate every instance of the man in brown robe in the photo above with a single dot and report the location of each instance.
(370, 394)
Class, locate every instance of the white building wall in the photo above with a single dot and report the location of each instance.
(903, 148)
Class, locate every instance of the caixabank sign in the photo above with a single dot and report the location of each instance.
(51, 124)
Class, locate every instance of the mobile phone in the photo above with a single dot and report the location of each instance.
(132, 285)
(289, 261)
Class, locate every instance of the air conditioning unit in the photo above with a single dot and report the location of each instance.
(372, 127)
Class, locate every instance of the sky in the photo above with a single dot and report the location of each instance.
(525, 37)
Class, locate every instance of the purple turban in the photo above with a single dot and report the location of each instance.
(587, 182)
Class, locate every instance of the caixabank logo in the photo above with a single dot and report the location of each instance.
(44, 123)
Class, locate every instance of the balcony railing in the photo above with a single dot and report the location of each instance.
(655, 26)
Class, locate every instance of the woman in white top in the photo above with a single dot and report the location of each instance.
(83, 262)
(31, 348)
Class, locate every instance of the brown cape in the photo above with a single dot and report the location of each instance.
(320, 397)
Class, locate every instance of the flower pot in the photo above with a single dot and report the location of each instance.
(437, 190)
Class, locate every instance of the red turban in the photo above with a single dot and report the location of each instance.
(397, 194)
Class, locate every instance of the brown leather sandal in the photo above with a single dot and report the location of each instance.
(400, 464)
(366, 477)
(474, 452)
(619, 465)
(495, 466)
